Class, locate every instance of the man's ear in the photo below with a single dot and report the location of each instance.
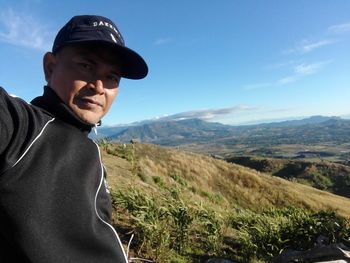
(49, 63)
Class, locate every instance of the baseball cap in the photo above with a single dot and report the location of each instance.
(99, 29)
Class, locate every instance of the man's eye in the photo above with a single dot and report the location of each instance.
(86, 66)
(114, 78)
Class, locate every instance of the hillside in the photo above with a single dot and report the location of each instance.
(332, 177)
(188, 206)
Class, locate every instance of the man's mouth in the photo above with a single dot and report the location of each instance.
(89, 102)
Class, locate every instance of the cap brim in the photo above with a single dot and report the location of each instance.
(133, 65)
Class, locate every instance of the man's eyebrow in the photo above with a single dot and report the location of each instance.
(86, 56)
(116, 72)
(95, 59)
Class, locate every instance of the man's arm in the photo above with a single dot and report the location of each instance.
(6, 122)
(19, 124)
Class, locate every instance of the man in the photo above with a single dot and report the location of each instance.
(54, 206)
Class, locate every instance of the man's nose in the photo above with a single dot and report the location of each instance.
(97, 86)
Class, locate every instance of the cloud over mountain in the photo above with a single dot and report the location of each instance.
(206, 114)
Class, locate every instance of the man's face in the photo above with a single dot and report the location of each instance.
(86, 78)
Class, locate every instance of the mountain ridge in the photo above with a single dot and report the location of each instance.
(108, 131)
(175, 133)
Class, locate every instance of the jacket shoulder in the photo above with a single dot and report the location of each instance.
(20, 123)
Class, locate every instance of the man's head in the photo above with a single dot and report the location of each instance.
(88, 59)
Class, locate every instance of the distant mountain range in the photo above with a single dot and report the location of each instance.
(311, 120)
(172, 133)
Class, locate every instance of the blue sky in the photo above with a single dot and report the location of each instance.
(232, 61)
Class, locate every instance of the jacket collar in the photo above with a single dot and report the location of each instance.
(50, 102)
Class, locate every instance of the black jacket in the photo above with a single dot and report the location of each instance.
(54, 206)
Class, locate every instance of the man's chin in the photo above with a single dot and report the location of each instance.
(89, 117)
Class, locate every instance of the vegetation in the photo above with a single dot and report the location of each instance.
(185, 207)
(267, 234)
(322, 175)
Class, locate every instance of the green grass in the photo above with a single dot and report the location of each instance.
(168, 228)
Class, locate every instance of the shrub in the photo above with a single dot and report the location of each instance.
(210, 228)
(158, 180)
(149, 221)
(125, 151)
(178, 178)
(193, 189)
(182, 217)
(267, 234)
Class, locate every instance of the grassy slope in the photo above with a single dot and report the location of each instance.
(206, 178)
(324, 175)
(206, 192)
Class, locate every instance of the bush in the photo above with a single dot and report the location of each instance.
(158, 180)
(182, 217)
(166, 226)
(168, 229)
(178, 178)
(149, 221)
(125, 151)
(211, 229)
(267, 234)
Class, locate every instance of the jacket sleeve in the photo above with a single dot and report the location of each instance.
(6, 121)
(18, 126)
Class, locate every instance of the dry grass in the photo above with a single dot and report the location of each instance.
(202, 178)
(181, 205)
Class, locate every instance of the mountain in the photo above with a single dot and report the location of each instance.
(174, 132)
(194, 131)
(346, 116)
(311, 120)
(104, 132)
(295, 132)
(152, 130)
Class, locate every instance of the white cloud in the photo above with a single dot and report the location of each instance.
(306, 46)
(287, 80)
(207, 114)
(22, 30)
(299, 71)
(309, 69)
(338, 29)
(303, 70)
(162, 41)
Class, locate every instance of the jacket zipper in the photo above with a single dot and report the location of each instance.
(98, 190)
